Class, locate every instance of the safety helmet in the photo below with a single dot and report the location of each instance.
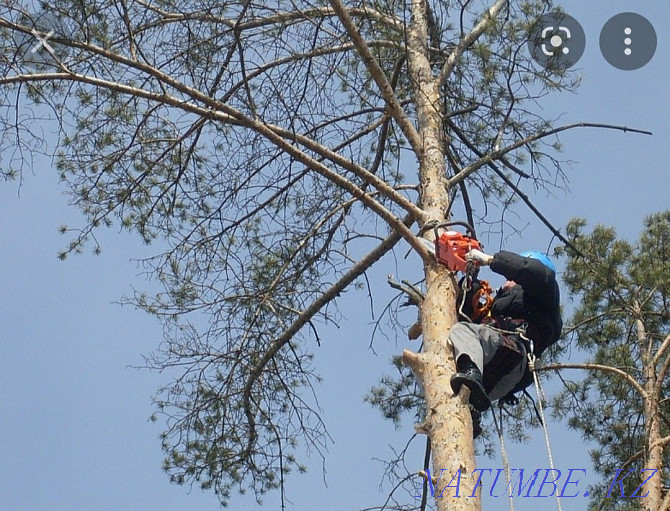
(534, 254)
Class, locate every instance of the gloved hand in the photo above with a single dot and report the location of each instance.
(479, 257)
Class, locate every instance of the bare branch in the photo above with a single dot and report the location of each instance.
(496, 155)
(516, 190)
(414, 294)
(356, 271)
(663, 371)
(662, 349)
(280, 18)
(273, 134)
(598, 367)
(378, 75)
(470, 39)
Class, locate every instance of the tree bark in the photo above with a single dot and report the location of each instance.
(654, 448)
(448, 421)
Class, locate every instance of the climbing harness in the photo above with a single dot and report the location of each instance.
(476, 299)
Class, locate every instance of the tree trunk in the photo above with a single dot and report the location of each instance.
(448, 421)
(652, 501)
(654, 448)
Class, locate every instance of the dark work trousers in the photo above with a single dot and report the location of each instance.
(481, 343)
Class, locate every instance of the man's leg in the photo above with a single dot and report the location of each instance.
(469, 355)
(511, 372)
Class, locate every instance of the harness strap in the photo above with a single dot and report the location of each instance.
(537, 413)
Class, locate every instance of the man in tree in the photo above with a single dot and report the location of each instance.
(525, 317)
(261, 143)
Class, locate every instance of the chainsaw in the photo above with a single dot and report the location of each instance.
(450, 246)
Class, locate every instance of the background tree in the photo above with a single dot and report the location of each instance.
(278, 150)
(623, 322)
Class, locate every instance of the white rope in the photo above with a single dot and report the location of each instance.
(503, 453)
(540, 398)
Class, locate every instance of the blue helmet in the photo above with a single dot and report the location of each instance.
(534, 254)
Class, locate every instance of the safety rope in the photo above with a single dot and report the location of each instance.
(505, 459)
(540, 398)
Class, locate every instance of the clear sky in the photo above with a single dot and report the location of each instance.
(74, 428)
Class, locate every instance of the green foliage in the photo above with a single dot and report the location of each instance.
(622, 320)
(397, 395)
(207, 128)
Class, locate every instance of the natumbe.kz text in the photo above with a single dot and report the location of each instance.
(543, 482)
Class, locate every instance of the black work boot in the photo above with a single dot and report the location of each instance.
(469, 375)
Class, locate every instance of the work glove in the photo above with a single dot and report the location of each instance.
(478, 257)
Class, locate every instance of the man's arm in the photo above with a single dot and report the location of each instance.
(533, 276)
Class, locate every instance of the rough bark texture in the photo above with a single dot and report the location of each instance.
(448, 421)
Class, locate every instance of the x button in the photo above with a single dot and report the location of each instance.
(42, 41)
(43, 44)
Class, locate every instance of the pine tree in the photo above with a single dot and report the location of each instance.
(622, 322)
(279, 150)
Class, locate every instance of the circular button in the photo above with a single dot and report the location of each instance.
(556, 41)
(628, 41)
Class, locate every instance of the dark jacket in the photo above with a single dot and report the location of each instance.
(536, 298)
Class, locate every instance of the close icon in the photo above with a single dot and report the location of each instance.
(556, 41)
(628, 41)
(42, 41)
(39, 49)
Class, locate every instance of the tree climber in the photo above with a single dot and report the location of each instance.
(491, 355)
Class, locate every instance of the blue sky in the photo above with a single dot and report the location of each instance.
(74, 428)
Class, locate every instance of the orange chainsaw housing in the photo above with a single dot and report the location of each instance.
(451, 248)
